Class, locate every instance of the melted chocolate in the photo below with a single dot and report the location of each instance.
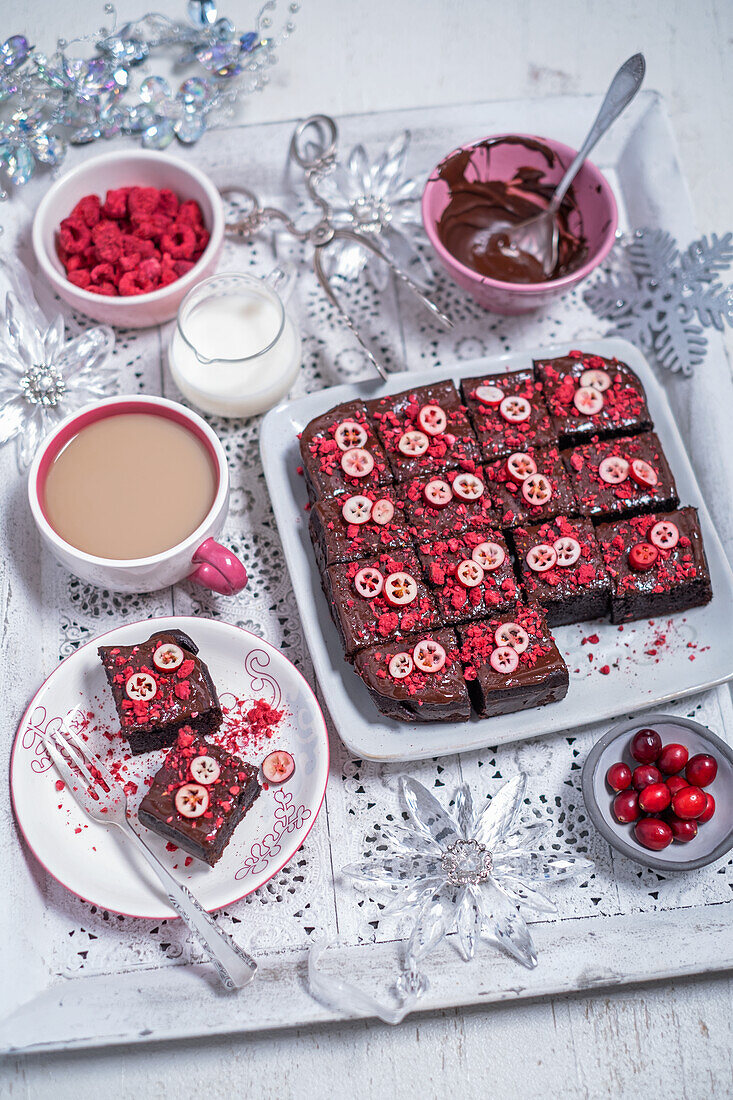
(470, 226)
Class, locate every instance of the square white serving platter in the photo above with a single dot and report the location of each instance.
(650, 662)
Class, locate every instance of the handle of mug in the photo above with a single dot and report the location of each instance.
(282, 280)
(219, 569)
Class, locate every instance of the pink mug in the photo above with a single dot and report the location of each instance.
(199, 557)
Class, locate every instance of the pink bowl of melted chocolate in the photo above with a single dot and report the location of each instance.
(508, 178)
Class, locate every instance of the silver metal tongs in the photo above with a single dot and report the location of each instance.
(313, 148)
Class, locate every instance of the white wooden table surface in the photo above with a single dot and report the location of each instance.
(673, 1038)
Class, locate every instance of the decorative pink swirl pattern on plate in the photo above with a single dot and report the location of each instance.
(32, 739)
(255, 663)
(288, 819)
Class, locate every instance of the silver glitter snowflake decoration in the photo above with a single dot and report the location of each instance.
(661, 298)
(377, 199)
(43, 375)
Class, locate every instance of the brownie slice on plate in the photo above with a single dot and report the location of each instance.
(159, 686)
(562, 570)
(425, 430)
(657, 564)
(508, 412)
(511, 663)
(530, 487)
(198, 797)
(353, 526)
(341, 453)
(416, 679)
(621, 477)
(588, 395)
(471, 574)
(378, 599)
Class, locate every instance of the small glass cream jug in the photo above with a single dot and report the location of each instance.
(235, 350)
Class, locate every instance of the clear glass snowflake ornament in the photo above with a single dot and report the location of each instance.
(43, 375)
(377, 199)
(469, 872)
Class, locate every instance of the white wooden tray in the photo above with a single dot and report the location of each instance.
(76, 976)
(643, 672)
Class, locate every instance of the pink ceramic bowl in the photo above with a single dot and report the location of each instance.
(126, 169)
(596, 214)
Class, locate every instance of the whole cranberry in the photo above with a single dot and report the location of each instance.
(672, 759)
(653, 833)
(709, 809)
(646, 746)
(701, 770)
(690, 802)
(683, 831)
(676, 783)
(626, 807)
(646, 774)
(654, 798)
(618, 777)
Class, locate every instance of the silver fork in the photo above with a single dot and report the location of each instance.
(234, 966)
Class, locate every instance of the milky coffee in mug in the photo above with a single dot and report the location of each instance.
(130, 486)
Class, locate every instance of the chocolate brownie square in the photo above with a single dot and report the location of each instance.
(657, 564)
(378, 599)
(508, 412)
(511, 663)
(543, 492)
(472, 574)
(562, 570)
(588, 395)
(621, 477)
(424, 430)
(417, 679)
(341, 453)
(448, 503)
(349, 527)
(198, 797)
(159, 686)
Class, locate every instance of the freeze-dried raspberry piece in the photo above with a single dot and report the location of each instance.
(88, 209)
(168, 275)
(74, 235)
(190, 214)
(106, 230)
(153, 226)
(80, 278)
(150, 269)
(181, 267)
(115, 203)
(167, 202)
(76, 263)
(202, 239)
(128, 261)
(180, 241)
(103, 273)
(132, 282)
(142, 200)
(109, 290)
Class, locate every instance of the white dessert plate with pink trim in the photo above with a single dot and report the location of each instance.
(613, 670)
(97, 863)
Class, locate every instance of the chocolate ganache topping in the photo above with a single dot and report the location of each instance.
(477, 208)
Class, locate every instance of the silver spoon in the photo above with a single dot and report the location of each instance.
(538, 235)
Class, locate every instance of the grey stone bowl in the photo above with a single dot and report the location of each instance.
(713, 840)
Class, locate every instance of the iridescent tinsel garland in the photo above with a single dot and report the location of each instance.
(49, 102)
